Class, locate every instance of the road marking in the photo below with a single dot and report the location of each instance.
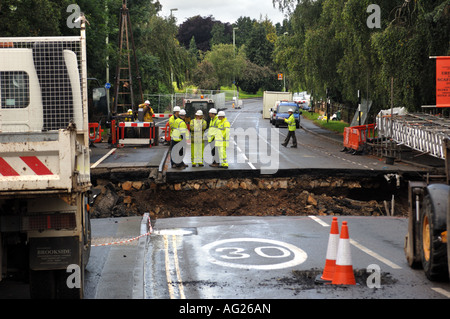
(375, 255)
(103, 158)
(361, 247)
(238, 249)
(442, 292)
(169, 269)
(318, 220)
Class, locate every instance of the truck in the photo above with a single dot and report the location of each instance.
(193, 105)
(270, 98)
(426, 242)
(45, 234)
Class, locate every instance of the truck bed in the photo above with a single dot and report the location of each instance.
(42, 162)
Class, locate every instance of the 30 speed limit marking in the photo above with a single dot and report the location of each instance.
(254, 253)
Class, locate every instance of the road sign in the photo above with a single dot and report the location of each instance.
(107, 86)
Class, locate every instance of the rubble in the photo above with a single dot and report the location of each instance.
(241, 197)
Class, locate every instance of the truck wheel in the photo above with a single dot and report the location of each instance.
(433, 251)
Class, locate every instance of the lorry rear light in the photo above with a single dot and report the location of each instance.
(49, 221)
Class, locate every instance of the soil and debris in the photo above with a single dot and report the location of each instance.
(244, 197)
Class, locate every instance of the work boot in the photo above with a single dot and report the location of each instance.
(214, 165)
(294, 146)
(284, 144)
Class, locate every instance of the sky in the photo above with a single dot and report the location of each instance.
(222, 10)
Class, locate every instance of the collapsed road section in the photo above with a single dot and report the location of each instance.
(301, 195)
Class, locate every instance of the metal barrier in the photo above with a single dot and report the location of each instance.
(421, 132)
(95, 132)
(355, 137)
(119, 137)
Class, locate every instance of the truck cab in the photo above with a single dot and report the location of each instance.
(281, 113)
(193, 105)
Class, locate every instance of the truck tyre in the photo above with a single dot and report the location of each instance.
(433, 251)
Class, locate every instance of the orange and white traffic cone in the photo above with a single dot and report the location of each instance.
(330, 261)
(343, 274)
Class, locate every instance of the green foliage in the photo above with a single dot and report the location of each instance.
(337, 50)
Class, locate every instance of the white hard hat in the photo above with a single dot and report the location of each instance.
(147, 102)
(176, 109)
(291, 110)
(130, 111)
(182, 112)
(221, 113)
(213, 111)
(199, 113)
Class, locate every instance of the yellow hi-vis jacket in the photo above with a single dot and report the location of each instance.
(148, 112)
(198, 127)
(180, 130)
(171, 122)
(212, 131)
(223, 135)
(291, 123)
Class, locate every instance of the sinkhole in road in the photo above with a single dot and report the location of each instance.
(301, 195)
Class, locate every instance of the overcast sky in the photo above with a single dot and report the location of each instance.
(221, 10)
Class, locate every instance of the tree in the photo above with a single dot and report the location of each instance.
(227, 64)
(254, 77)
(259, 48)
(204, 76)
(221, 33)
(198, 27)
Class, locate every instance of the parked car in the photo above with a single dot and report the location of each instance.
(281, 113)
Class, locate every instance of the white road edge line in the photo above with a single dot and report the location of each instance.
(375, 255)
(442, 292)
(361, 247)
(103, 158)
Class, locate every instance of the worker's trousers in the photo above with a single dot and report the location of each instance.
(288, 137)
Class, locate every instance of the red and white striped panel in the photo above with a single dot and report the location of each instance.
(21, 166)
(135, 124)
(162, 115)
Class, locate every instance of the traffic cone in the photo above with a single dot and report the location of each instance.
(330, 261)
(343, 274)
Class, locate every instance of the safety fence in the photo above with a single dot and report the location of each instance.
(164, 103)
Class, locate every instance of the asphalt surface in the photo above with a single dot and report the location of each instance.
(277, 258)
(246, 257)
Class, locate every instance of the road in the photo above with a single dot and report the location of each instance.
(277, 258)
(248, 257)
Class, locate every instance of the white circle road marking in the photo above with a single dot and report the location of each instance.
(299, 256)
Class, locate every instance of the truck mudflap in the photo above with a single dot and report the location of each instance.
(51, 253)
